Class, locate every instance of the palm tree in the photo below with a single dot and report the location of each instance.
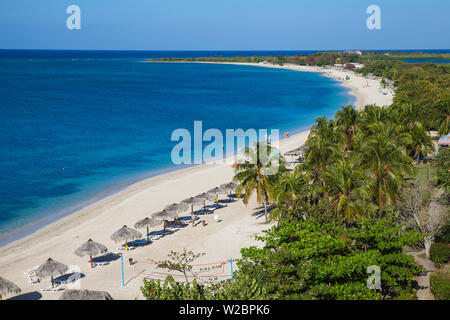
(346, 119)
(409, 112)
(350, 189)
(420, 140)
(324, 128)
(397, 120)
(444, 126)
(323, 147)
(384, 155)
(289, 186)
(371, 115)
(258, 173)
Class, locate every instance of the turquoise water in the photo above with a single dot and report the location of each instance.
(75, 130)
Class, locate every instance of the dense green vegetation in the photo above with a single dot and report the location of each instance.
(319, 58)
(442, 165)
(376, 55)
(311, 259)
(425, 85)
(440, 253)
(440, 285)
(342, 211)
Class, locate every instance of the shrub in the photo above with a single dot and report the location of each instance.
(444, 237)
(313, 260)
(439, 253)
(440, 285)
(442, 165)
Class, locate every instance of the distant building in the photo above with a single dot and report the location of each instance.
(354, 52)
(353, 65)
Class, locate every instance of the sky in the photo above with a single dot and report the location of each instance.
(224, 25)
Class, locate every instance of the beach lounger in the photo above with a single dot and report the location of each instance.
(33, 279)
(203, 211)
(31, 275)
(31, 271)
(123, 248)
(138, 242)
(99, 264)
(218, 205)
(54, 289)
(67, 278)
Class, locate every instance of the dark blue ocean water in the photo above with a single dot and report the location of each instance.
(108, 121)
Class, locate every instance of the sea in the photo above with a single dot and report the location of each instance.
(78, 126)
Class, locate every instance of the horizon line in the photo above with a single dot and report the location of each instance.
(229, 50)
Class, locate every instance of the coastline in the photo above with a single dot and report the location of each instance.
(140, 199)
(357, 83)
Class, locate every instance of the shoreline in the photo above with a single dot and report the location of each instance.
(362, 98)
(31, 227)
(142, 198)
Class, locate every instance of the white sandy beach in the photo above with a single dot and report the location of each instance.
(220, 241)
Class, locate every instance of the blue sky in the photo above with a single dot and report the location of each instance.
(224, 25)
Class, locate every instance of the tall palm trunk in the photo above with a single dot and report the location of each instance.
(265, 208)
(349, 140)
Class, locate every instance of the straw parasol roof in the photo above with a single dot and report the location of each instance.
(177, 207)
(51, 268)
(194, 200)
(207, 196)
(296, 152)
(164, 214)
(70, 294)
(91, 248)
(7, 287)
(218, 190)
(125, 234)
(229, 186)
(147, 222)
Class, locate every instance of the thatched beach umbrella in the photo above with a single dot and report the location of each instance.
(177, 207)
(7, 287)
(164, 214)
(193, 201)
(229, 187)
(125, 234)
(91, 248)
(206, 197)
(299, 152)
(51, 268)
(85, 295)
(216, 191)
(147, 222)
